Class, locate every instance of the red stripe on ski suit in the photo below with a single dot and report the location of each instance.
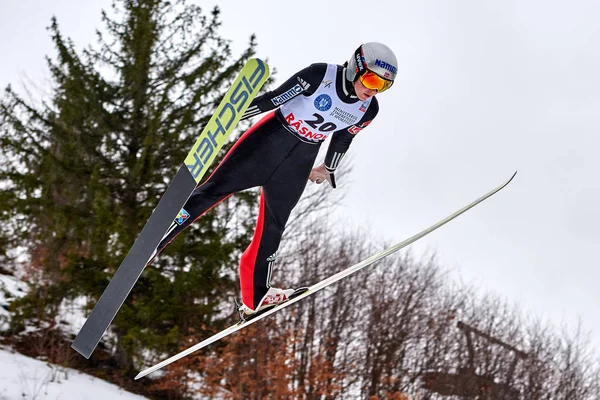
(236, 144)
(248, 259)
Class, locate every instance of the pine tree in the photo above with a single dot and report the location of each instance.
(81, 172)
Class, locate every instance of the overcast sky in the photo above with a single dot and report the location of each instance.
(484, 88)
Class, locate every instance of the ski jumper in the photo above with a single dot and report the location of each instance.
(277, 154)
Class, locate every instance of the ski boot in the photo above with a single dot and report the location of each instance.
(273, 298)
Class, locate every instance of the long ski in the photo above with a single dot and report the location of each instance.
(324, 283)
(211, 140)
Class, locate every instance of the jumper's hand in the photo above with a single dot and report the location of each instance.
(320, 174)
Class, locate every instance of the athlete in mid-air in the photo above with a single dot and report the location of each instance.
(279, 151)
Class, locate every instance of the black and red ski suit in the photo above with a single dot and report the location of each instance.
(279, 160)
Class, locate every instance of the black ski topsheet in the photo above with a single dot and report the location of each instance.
(134, 263)
(203, 152)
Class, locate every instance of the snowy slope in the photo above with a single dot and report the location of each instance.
(71, 315)
(24, 378)
(10, 288)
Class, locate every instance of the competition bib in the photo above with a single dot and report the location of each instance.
(314, 117)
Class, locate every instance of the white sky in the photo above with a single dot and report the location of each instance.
(484, 88)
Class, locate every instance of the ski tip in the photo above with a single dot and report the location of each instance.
(260, 62)
(509, 180)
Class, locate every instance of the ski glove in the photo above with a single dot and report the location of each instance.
(320, 174)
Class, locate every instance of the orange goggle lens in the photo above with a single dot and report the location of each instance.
(371, 80)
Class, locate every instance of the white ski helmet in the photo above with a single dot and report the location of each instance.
(375, 57)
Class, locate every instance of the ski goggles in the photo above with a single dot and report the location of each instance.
(372, 81)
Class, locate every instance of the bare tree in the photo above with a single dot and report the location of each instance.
(396, 330)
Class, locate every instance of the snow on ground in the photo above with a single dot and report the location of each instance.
(10, 288)
(71, 315)
(24, 378)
